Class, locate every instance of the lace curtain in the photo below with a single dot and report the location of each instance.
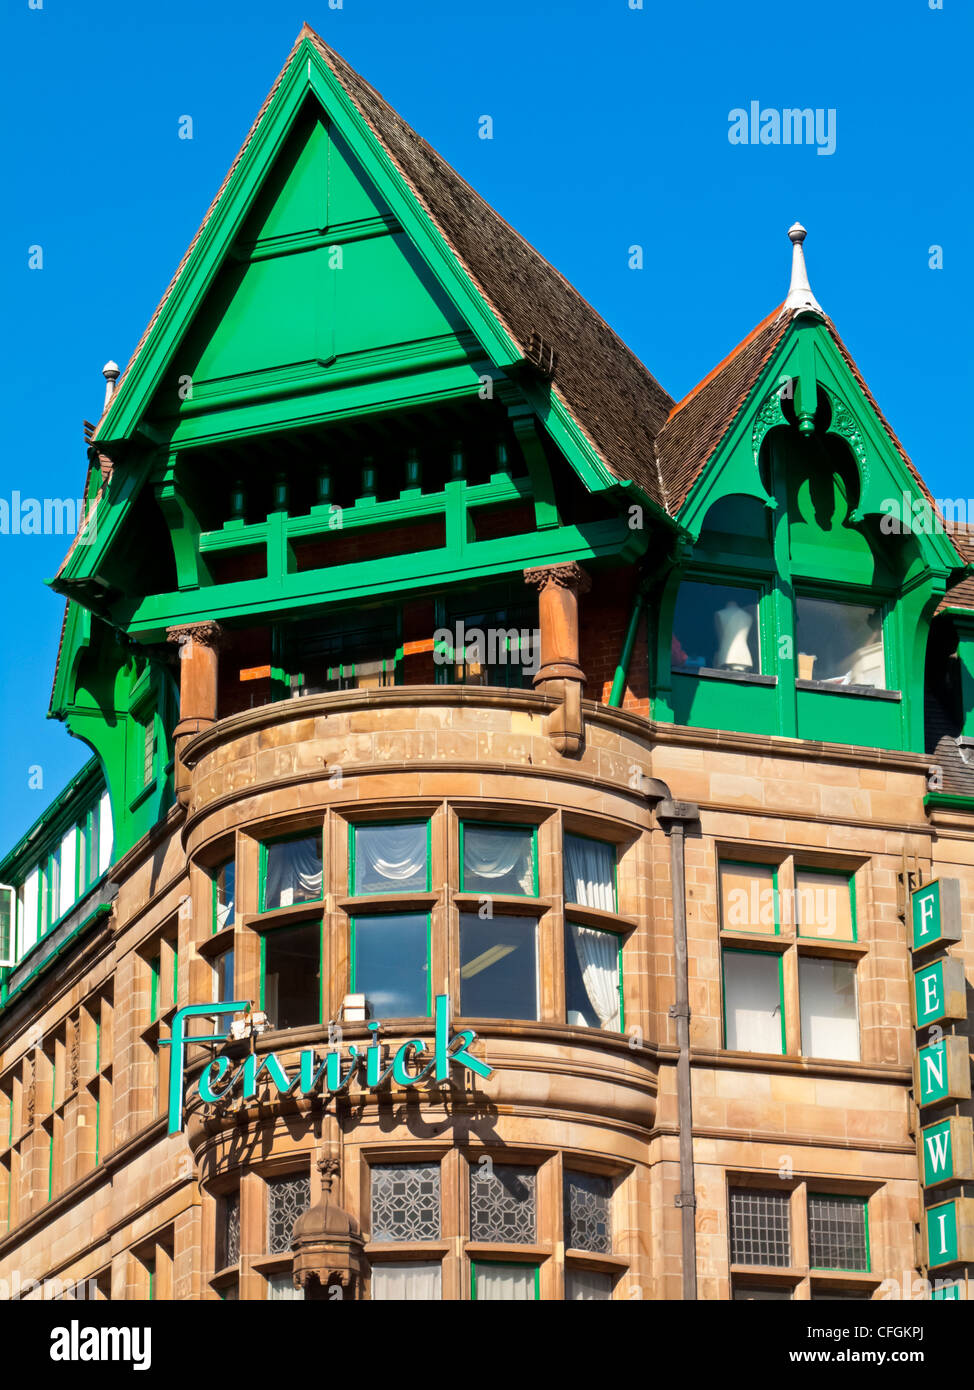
(293, 872)
(390, 858)
(498, 859)
(510, 1283)
(406, 1282)
(590, 873)
(598, 960)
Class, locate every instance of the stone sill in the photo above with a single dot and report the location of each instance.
(717, 673)
(859, 692)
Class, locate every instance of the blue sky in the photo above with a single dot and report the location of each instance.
(610, 128)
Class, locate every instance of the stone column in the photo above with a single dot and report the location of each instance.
(198, 674)
(559, 673)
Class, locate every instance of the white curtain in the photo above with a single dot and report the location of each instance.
(752, 1002)
(406, 1282)
(598, 960)
(390, 857)
(587, 1286)
(590, 873)
(510, 1283)
(293, 872)
(496, 853)
(281, 1289)
(830, 1023)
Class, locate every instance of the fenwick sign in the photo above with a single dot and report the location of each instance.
(331, 1072)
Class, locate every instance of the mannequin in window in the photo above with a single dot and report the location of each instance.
(733, 623)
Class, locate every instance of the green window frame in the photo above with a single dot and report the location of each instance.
(850, 878)
(750, 864)
(385, 628)
(505, 1264)
(355, 826)
(353, 953)
(737, 951)
(263, 967)
(863, 1204)
(154, 968)
(505, 616)
(262, 867)
(500, 825)
(760, 584)
(570, 946)
(850, 597)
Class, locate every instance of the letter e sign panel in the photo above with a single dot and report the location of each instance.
(947, 1151)
(939, 992)
(949, 1228)
(942, 1071)
(936, 914)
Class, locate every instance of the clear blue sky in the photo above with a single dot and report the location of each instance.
(610, 129)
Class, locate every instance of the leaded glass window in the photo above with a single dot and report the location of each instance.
(231, 1229)
(837, 1233)
(287, 1198)
(406, 1201)
(588, 1201)
(503, 1204)
(760, 1227)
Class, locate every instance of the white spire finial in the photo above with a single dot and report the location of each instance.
(800, 298)
(110, 372)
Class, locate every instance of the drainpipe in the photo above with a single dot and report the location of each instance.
(674, 817)
(625, 656)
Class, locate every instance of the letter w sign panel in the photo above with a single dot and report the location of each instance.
(947, 1151)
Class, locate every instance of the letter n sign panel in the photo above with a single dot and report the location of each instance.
(950, 1232)
(942, 1071)
(939, 992)
(936, 914)
(947, 1151)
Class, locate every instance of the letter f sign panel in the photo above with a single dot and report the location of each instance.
(935, 913)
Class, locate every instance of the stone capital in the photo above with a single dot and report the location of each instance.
(567, 576)
(205, 634)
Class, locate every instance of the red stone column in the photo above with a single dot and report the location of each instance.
(198, 677)
(559, 673)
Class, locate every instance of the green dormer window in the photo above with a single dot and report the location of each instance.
(840, 643)
(716, 627)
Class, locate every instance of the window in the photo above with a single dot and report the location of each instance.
(493, 1283)
(841, 643)
(223, 986)
(837, 1232)
(753, 1009)
(148, 748)
(748, 897)
(824, 905)
(593, 977)
(154, 969)
(716, 626)
(287, 1198)
(491, 645)
(754, 1293)
(829, 1011)
(498, 859)
(229, 1230)
(390, 858)
(8, 919)
(224, 893)
(590, 873)
(415, 1280)
(503, 1204)
(406, 1201)
(363, 656)
(588, 1212)
(390, 963)
(498, 967)
(291, 872)
(280, 1289)
(290, 975)
(587, 1286)
(760, 1227)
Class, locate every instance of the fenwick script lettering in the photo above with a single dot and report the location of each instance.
(218, 1081)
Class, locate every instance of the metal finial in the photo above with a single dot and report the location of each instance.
(111, 372)
(800, 298)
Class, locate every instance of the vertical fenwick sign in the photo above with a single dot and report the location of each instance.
(942, 1076)
(330, 1072)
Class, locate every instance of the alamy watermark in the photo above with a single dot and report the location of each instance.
(492, 646)
(47, 516)
(792, 125)
(921, 516)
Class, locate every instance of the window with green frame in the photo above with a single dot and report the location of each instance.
(716, 626)
(492, 640)
(361, 652)
(494, 1282)
(391, 963)
(290, 975)
(224, 895)
(291, 870)
(50, 883)
(389, 857)
(589, 872)
(825, 904)
(840, 643)
(498, 859)
(154, 969)
(749, 897)
(838, 1232)
(498, 966)
(593, 978)
(753, 1001)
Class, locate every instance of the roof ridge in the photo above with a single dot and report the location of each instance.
(715, 371)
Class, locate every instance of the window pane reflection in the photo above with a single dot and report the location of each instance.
(716, 625)
(840, 642)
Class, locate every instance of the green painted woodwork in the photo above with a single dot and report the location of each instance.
(796, 513)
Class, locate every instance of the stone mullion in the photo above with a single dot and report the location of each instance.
(451, 1212)
(247, 941)
(442, 929)
(253, 1234)
(550, 1224)
(551, 927)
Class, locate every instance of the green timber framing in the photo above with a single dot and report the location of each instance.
(849, 557)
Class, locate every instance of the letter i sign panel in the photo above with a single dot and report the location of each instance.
(949, 1230)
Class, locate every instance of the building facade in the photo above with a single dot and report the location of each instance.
(538, 768)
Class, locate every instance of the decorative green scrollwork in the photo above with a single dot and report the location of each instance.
(845, 426)
(768, 417)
